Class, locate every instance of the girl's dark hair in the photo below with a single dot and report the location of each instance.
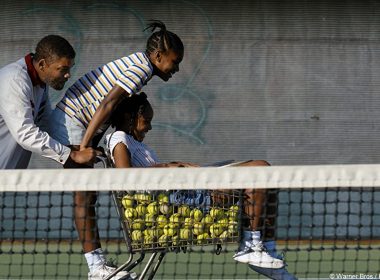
(163, 39)
(134, 105)
(52, 47)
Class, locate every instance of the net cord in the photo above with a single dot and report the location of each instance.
(312, 176)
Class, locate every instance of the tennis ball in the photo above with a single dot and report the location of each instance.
(175, 240)
(224, 222)
(198, 228)
(184, 211)
(149, 220)
(127, 201)
(148, 232)
(232, 228)
(152, 208)
(202, 238)
(215, 230)
(169, 231)
(164, 240)
(188, 223)
(137, 235)
(232, 213)
(234, 208)
(163, 198)
(137, 224)
(148, 240)
(143, 198)
(224, 235)
(153, 232)
(196, 214)
(141, 210)
(165, 208)
(185, 233)
(130, 213)
(175, 219)
(216, 213)
(208, 221)
(157, 232)
(161, 221)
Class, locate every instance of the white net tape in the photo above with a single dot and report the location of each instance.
(313, 176)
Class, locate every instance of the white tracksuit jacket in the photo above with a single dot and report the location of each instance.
(23, 104)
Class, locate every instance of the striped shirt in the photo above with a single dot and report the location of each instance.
(83, 98)
(141, 154)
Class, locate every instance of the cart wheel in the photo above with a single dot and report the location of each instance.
(218, 249)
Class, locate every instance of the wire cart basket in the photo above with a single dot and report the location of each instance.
(174, 221)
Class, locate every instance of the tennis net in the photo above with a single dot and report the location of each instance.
(324, 219)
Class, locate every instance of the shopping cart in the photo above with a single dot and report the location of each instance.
(174, 221)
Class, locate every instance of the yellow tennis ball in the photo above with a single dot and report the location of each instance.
(163, 198)
(224, 222)
(149, 220)
(175, 240)
(149, 232)
(148, 240)
(141, 210)
(137, 224)
(185, 233)
(164, 240)
(127, 201)
(202, 238)
(233, 212)
(188, 223)
(137, 235)
(198, 228)
(224, 235)
(215, 230)
(208, 221)
(153, 208)
(130, 213)
(165, 209)
(216, 213)
(161, 221)
(169, 231)
(232, 228)
(234, 208)
(158, 232)
(138, 197)
(184, 210)
(196, 214)
(143, 198)
(175, 220)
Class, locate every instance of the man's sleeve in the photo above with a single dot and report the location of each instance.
(17, 112)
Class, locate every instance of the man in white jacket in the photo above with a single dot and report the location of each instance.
(24, 102)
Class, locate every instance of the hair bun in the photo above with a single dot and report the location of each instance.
(156, 24)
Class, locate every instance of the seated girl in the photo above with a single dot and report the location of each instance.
(132, 121)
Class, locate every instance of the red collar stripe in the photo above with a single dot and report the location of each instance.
(36, 81)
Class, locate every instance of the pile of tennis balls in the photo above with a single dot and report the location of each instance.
(153, 221)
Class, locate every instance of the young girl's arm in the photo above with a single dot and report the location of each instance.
(176, 164)
(121, 156)
(102, 114)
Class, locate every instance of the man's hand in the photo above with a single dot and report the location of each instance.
(85, 156)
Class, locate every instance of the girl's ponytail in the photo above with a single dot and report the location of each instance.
(162, 40)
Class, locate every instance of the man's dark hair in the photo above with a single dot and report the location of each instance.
(52, 47)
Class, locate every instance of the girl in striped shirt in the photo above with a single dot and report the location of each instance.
(85, 109)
